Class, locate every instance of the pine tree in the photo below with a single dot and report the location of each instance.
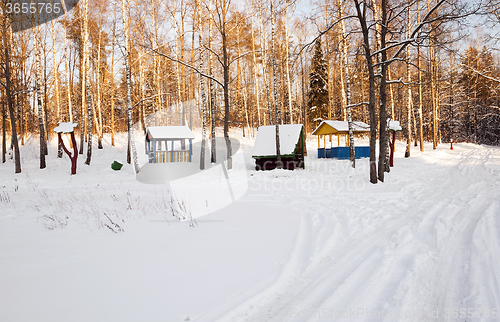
(318, 91)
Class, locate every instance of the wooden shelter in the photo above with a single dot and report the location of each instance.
(340, 129)
(292, 147)
(168, 144)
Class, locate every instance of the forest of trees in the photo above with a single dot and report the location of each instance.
(107, 65)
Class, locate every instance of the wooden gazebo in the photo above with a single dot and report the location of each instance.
(168, 144)
(340, 129)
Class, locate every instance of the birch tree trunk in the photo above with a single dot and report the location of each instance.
(56, 85)
(255, 73)
(420, 99)
(264, 65)
(66, 69)
(288, 84)
(83, 83)
(7, 34)
(128, 75)
(361, 14)
(275, 91)
(383, 162)
(156, 63)
(391, 92)
(202, 90)
(433, 94)
(225, 67)
(86, 71)
(112, 79)
(143, 89)
(38, 75)
(99, 124)
(180, 109)
(347, 86)
(211, 85)
(409, 105)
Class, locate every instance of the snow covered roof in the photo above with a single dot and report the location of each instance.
(169, 132)
(342, 126)
(65, 127)
(394, 126)
(265, 143)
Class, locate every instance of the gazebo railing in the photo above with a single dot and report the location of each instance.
(170, 156)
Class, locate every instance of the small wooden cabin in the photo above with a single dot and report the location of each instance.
(169, 144)
(340, 129)
(292, 147)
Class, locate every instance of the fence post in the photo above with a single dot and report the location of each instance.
(190, 149)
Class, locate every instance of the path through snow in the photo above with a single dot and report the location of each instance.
(416, 248)
(319, 244)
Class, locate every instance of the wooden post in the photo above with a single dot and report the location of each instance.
(190, 149)
(172, 153)
(303, 146)
(154, 150)
(391, 146)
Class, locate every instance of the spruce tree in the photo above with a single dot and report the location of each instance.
(318, 90)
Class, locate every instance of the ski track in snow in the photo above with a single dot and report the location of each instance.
(427, 240)
(418, 257)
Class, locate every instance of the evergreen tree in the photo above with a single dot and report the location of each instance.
(318, 90)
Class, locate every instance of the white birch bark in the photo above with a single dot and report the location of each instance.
(128, 74)
(288, 84)
(99, 124)
(264, 65)
(211, 85)
(112, 79)
(409, 104)
(420, 98)
(86, 71)
(202, 90)
(345, 71)
(178, 73)
(255, 72)
(56, 84)
(66, 69)
(275, 91)
(38, 75)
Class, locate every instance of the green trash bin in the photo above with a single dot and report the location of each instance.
(116, 165)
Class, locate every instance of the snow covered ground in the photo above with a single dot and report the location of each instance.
(320, 244)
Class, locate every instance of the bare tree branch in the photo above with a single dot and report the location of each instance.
(189, 66)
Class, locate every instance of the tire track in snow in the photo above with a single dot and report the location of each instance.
(323, 276)
(485, 274)
(442, 279)
(416, 254)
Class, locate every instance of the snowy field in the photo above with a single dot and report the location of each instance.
(320, 244)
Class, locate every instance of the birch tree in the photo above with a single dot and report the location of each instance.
(361, 9)
(128, 75)
(275, 91)
(202, 89)
(6, 35)
(409, 104)
(346, 84)
(56, 83)
(86, 72)
(38, 93)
